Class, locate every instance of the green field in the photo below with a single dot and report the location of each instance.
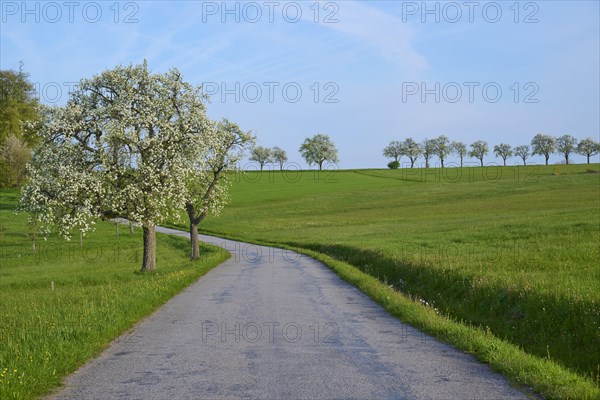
(513, 250)
(64, 303)
(501, 262)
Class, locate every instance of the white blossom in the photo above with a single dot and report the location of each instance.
(124, 145)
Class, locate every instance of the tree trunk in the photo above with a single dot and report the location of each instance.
(149, 261)
(194, 222)
(547, 157)
(442, 160)
(195, 253)
(412, 163)
(481, 159)
(321, 166)
(461, 162)
(505, 162)
(588, 157)
(567, 158)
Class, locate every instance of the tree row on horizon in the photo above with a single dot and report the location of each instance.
(442, 147)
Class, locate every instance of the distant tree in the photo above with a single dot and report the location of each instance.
(503, 150)
(393, 164)
(479, 149)
(18, 105)
(523, 152)
(543, 145)
(442, 148)
(428, 150)
(262, 155)
(412, 150)
(460, 149)
(318, 149)
(566, 145)
(588, 147)
(393, 150)
(279, 156)
(14, 155)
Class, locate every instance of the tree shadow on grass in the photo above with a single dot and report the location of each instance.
(541, 323)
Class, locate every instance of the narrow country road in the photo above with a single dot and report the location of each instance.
(271, 324)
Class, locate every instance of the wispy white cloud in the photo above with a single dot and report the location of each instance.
(384, 32)
(283, 51)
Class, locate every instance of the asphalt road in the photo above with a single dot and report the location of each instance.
(271, 324)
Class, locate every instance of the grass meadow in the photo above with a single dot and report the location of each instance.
(512, 252)
(63, 303)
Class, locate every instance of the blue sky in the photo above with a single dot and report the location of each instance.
(352, 70)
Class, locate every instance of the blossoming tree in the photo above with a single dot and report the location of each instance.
(124, 145)
(208, 186)
(318, 149)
